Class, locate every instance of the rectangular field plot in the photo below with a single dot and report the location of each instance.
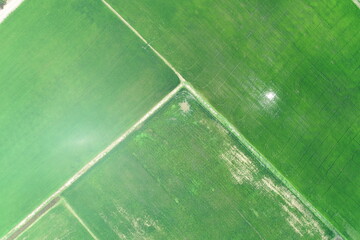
(285, 73)
(72, 80)
(184, 176)
(58, 223)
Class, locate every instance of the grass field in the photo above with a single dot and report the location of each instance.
(183, 176)
(73, 79)
(59, 223)
(285, 73)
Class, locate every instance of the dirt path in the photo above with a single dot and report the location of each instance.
(34, 218)
(357, 3)
(9, 7)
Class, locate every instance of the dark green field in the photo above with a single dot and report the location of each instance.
(184, 176)
(303, 55)
(72, 80)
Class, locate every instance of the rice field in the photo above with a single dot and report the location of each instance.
(182, 175)
(285, 73)
(72, 80)
(258, 138)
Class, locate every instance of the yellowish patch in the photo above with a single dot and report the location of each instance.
(243, 171)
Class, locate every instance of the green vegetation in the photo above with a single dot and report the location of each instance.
(184, 176)
(58, 223)
(73, 79)
(285, 73)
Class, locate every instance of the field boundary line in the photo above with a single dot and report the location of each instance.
(35, 219)
(9, 7)
(357, 3)
(144, 40)
(223, 120)
(90, 164)
(72, 211)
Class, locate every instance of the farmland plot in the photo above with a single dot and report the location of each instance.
(72, 80)
(182, 175)
(285, 73)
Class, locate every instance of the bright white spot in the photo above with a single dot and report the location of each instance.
(270, 95)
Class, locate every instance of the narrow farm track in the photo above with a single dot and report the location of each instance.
(9, 7)
(35, 218)
(357, 3)
(72, 211)
(143, 39)
(90, 164)
(231, 128)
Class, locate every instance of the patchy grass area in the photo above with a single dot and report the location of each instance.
(285, 73)
(184, 176)
(73, 79)
(58, 223)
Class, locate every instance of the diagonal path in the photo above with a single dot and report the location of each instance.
(9, 7)
(35, 218)
(72, 211)
(357, 3)
(144, 40)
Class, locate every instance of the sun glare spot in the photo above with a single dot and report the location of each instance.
(270, 95)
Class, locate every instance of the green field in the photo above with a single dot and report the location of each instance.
(184, 176)
(59, 223)
(73, 79)
(305, 54)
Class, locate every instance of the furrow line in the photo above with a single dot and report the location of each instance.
(144, 40)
